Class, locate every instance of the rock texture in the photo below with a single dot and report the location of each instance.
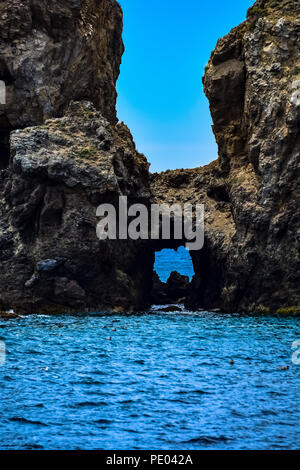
(251, 260)
(67, 154)
(174, 291)
(51, 259)
(208, 186)
(55, 52)
(60, 62)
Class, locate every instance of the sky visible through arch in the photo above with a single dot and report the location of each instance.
(161, 99)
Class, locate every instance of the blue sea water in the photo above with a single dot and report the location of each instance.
(167, 261)
(149, 381)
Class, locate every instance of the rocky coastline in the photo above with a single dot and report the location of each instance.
(63, 152)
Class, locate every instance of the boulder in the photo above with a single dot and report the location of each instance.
(175, 290)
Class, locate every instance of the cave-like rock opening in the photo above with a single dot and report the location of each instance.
(173, 272)
(193, 278)
(168, 260)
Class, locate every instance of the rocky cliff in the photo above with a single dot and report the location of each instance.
(53, 52)
(73, 157)
(63, 153)
(51, 259)
(251, 260)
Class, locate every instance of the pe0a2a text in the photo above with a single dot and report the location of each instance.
(153, 459)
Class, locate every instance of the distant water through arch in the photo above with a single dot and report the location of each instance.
(169, 260)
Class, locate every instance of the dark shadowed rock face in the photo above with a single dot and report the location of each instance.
(175, 290)
(53, 52)
(51, 259)
(251, 261)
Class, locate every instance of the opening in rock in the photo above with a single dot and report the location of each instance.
(173, 271)
(169, 260)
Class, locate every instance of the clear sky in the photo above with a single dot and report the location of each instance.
(161, 99)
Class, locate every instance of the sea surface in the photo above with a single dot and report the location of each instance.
(154, 380)
(149, 381)
(167, 261)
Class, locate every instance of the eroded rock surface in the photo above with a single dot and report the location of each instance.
(55, 52)
(174, 291)
(251, 261)
(51, 259)
(60, 61)
(56, 172)
(208, 186)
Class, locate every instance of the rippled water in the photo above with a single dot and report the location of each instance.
(167, 261)
(159, 381)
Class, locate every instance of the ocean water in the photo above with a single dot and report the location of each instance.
(167, 261)
(149, 381)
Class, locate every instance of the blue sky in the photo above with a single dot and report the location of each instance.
(161, 99)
